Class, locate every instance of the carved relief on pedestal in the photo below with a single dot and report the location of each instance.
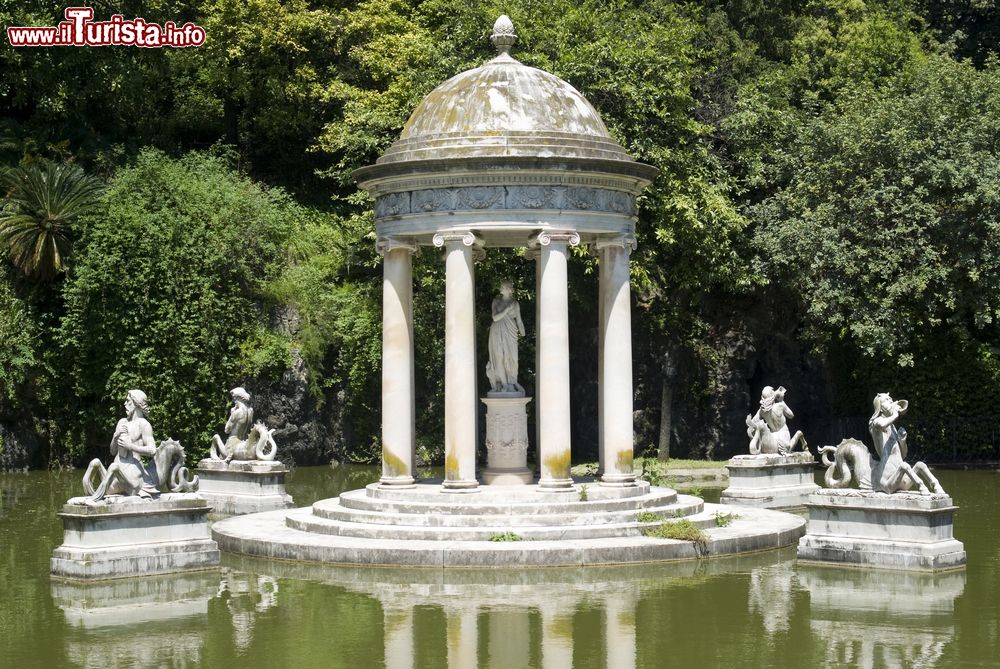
(506, 439)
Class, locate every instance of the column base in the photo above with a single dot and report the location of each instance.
(617, 480)
(555, 485)
(460, 485)
(397, 482)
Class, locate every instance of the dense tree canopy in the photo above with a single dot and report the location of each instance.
(828, 183)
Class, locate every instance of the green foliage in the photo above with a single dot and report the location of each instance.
(166, 294)
(888, 228)
(831, 154)
(43, 201)
(647, 517)
(681, 530)
(505, 536)
(654, 471)
(17, 343)
(725, 519)
(584, 493)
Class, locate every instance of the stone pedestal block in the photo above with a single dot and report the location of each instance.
(133, 536)
(770, 481)
(243, 486)
(898, 531)
(506, 439)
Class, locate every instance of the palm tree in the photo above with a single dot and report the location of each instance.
(43, 200)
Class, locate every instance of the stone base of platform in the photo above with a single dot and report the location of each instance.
(872, 529)
(424, 527)
(243, 486)
(770, 481)
(130, 537)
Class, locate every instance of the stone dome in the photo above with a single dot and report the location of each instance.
(504, 108)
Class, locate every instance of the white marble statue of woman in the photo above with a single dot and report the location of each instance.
(506, 327)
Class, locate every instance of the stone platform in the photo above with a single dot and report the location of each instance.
(424, 526)
(131, 536)
(770, 481)
(873, 529)
(243, 486)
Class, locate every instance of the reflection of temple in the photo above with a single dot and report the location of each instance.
(143, 622)
(508, 629)
(771, 596)
(881, 618)
(246, 596)
(552, 618)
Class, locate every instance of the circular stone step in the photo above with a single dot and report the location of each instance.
(428, 498)
(268, 535)
(332, 509)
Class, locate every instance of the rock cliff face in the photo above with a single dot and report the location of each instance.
(19, 445)
(308, 431)
(713, 391)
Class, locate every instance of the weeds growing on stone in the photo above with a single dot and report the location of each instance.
(725, 519)
(683, 530)
(647, 517)
(505, 536)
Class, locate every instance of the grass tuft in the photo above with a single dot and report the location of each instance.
(682, 530)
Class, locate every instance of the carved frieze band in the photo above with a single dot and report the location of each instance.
(479, 198)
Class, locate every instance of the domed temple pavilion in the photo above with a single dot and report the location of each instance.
(506, 155)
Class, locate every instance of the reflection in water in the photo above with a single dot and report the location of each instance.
(881, 618)
(151, 621)
(505, 618)
(771, 596)
(246, 595)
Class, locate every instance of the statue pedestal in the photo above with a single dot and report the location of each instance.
(506, 439)
(770, 481)
(899, 531)
(243, 486)
(132, 536)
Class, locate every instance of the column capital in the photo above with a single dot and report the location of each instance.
(386, 244)
(546, 237)
(465, 237)
(625, 241)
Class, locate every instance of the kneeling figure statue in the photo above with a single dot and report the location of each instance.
(128, 475)
(768, 428)
(887, 473)
(245, 440)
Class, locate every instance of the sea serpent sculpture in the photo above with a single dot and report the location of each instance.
(169, 458)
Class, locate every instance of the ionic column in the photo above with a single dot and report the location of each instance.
(615, 361)
(461, 405)
(397, 361)
(553, 361)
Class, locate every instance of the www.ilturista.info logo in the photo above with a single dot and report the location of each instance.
(80, 30)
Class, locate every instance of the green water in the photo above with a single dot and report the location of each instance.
(755, 611)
